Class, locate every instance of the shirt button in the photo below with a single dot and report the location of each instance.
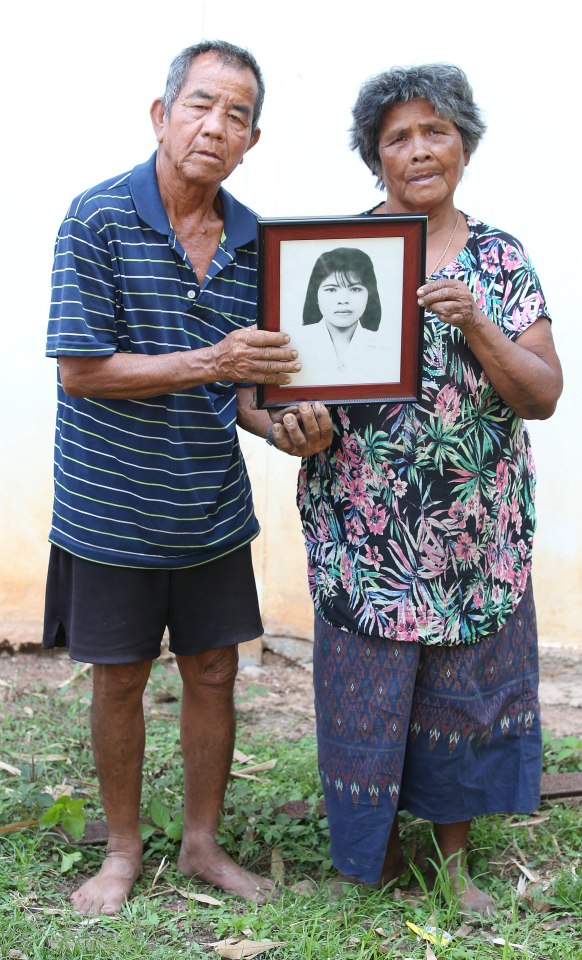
(191, 294)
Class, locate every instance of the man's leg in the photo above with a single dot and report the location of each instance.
(207, 736)
(451, 839)
(118, 730)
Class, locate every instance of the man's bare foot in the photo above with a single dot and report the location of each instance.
(207, 861)
(108, 890)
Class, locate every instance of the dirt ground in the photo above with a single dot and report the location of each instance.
(277, 694)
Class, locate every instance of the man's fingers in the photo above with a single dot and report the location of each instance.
(266, 338)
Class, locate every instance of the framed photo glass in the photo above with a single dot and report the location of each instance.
(344, 289)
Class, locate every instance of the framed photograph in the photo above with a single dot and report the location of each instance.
(344, 289)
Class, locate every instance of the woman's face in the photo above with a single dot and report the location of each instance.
(342, 300)
(422, 158)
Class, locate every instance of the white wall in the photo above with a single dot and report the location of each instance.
(78, 80)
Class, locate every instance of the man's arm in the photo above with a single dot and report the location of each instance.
(300, 431)
(257, 355)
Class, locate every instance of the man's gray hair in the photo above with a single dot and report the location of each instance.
(227, 53)
(444, 85)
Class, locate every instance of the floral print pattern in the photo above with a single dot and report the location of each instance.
(419, 519)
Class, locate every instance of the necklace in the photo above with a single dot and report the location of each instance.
(445, 251)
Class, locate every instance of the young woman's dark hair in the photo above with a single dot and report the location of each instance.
(350, 266)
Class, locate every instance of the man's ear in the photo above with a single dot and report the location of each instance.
(254, 139)
(158, 118)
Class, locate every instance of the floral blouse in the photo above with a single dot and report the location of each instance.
(419, 519)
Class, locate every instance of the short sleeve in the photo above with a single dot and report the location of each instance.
(82, 320)
(504, 282)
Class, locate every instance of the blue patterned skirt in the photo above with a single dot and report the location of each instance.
(447, 733)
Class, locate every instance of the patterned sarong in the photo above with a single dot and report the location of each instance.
(447, 733)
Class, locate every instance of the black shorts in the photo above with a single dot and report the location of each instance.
(107, 614)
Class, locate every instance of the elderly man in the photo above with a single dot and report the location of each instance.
(154, 302)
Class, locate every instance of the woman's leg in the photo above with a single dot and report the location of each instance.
(474, 743)
(451, 840)
(363, 695)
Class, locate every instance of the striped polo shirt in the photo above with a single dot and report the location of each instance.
(159, 482)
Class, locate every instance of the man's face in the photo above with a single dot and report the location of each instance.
(208, 130)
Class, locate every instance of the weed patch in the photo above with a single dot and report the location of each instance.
(273, 823)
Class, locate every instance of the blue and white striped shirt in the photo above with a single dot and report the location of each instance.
(159, 482)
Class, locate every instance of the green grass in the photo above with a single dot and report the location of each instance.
(45, 734)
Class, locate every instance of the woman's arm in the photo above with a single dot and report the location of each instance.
(526, 373)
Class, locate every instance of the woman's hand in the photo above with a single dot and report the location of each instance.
(451, 301)
(525, 372)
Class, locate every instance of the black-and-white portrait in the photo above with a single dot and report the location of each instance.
(347, 326)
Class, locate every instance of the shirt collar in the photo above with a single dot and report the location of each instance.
(240, 223)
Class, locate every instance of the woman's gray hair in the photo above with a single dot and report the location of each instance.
(227, 53)
(444, 85)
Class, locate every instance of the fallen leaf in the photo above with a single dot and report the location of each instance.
(430, 954)
(199, 897)
(78, 673)
(104, 918)
(241, 757)
(532, 822)
(501, 942)
(259, 767)
(297, 809)
(60, 790)
(163, 864)
(245, 949)
(530, 874)
(277, 865)
(19, 825)
(559, 922)
(464, 930)
(47, 758)
(247, 776)
(15, 771)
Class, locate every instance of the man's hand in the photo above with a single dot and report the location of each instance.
(303, 430)
(254, 355)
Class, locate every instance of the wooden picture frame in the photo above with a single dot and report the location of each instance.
(363, 272)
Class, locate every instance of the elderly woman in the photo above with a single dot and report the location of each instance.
(419, 521)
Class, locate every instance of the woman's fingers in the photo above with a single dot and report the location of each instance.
(450, 300)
